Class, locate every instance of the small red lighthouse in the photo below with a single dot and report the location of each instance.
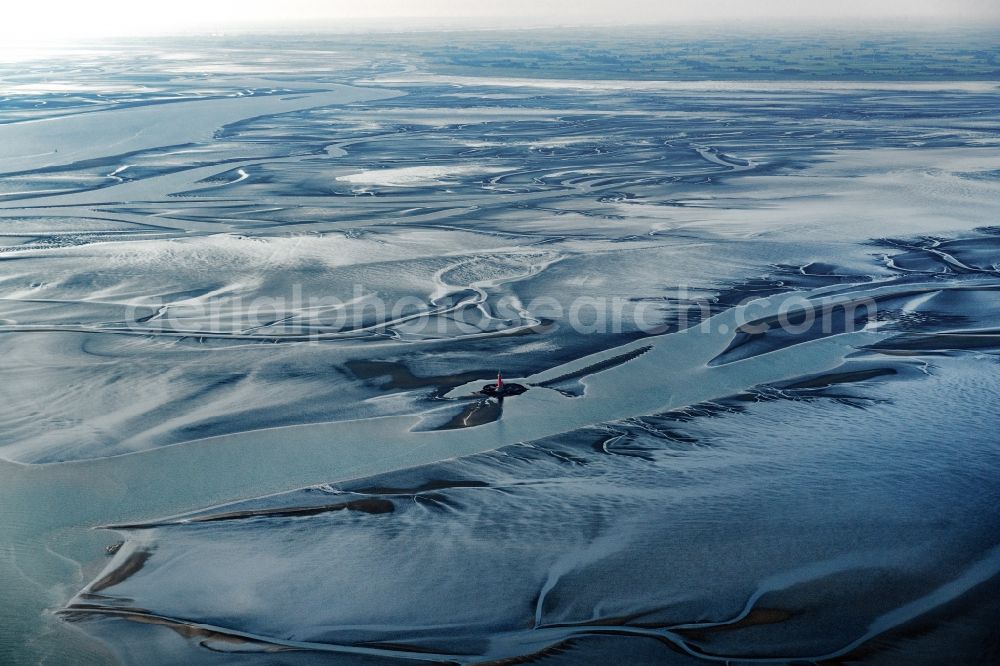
(500, 390)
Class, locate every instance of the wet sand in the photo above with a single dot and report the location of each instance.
(710, 488)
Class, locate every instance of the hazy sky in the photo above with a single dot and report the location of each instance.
(39, 19)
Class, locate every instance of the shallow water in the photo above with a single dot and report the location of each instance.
(194, 322)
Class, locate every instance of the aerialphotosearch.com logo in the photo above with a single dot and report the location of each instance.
(366, 313)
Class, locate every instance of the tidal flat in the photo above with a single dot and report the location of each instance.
(251, 288)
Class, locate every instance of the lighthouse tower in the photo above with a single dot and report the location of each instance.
(501, 390)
